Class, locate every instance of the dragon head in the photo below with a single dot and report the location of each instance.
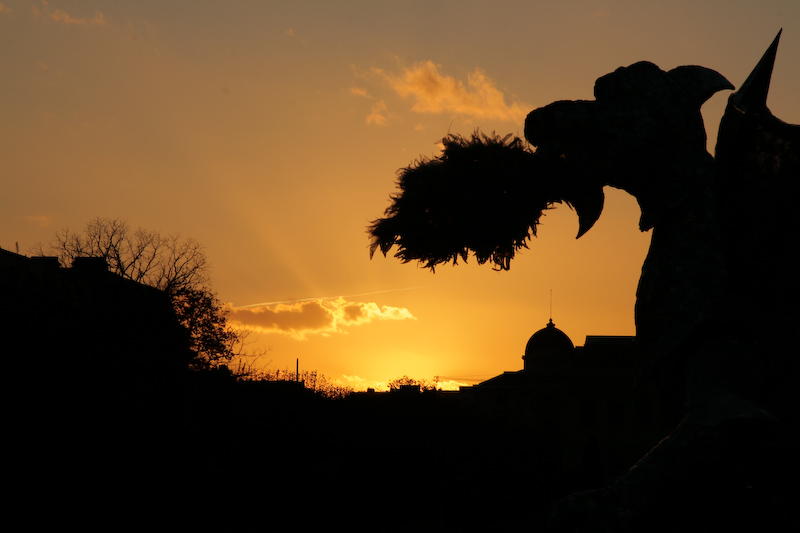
(640, 134)
(485, 194)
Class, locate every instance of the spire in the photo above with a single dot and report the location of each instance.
(752, 95)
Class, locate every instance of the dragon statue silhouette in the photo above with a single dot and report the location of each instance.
(717, 302)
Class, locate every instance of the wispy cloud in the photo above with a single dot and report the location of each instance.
(435, 92)
(353, 380)
(59, 15)
(312, 317)
(41, 221)
(379, 115)
(319, 298)
(291, 33)
(450, 385)
(359, 91)
(379, 112)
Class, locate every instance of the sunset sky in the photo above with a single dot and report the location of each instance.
(272, 131)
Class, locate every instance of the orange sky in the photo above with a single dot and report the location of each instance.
(271, 132)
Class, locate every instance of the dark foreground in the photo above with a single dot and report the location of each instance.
(212, 455)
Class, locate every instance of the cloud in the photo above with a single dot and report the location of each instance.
(353, 380)
(450, 384)
(434, 92)
(359, 91)
(59, 15)
(314, 317)
(379, 114)
(41, 221)
(290, 33)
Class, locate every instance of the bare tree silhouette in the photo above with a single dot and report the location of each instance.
(172, 263)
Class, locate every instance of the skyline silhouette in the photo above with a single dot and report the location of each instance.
(150, 442)
(109, 398)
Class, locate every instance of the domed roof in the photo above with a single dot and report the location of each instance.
(547, 343)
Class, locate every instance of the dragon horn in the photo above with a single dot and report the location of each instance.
(752, 95)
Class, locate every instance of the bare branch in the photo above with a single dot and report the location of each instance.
(175, 264)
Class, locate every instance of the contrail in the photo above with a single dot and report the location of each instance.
(264, 304)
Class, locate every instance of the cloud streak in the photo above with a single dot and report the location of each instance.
(312, 317)
(59, 15)
(320, 298)
(435, 92)
(41, 221)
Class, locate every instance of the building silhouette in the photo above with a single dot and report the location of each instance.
(83, 327)
(583, 404)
